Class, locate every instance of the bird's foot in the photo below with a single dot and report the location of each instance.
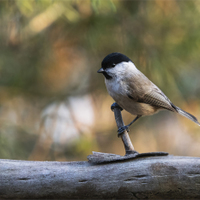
(115, 105)
(122, 129)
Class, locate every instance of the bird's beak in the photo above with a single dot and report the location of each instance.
(101, 70)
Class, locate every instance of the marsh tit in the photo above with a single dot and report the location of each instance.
(133, 91)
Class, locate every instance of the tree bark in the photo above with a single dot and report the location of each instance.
(169, 177)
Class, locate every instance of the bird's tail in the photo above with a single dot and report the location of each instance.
(186, 114)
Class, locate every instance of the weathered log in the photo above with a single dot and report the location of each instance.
(167, 177)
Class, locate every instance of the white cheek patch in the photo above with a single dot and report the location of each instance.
(122, 69)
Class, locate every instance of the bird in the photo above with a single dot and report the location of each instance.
(133, 91)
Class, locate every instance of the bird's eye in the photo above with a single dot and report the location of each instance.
(113, 64)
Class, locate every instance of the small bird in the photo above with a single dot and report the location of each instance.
(133, 91)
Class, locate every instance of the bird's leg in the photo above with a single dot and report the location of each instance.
(121, 129)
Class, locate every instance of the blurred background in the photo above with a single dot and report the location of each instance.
(53, 104)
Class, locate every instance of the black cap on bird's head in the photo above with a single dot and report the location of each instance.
(113, 59)
(110, 61)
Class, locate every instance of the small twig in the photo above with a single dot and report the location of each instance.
(124, 136)
(99, 157)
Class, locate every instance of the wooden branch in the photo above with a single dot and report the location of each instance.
(167, 177)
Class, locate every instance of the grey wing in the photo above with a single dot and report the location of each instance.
(150, 94)
(157, 98)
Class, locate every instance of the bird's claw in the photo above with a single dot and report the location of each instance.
(115, 105)
(122, 129)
